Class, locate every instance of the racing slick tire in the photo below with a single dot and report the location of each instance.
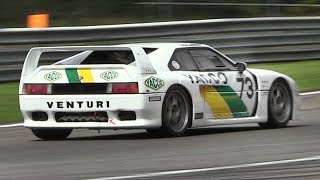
(176, 114)
(279, 105)
(52, 134)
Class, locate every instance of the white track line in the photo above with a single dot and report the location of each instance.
(309, 93)
(165, 173)
(11, 125)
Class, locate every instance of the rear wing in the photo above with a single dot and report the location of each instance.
(142, 61)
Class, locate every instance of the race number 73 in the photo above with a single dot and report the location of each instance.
(248, 82)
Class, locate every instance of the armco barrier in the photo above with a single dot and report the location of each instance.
(243, 39)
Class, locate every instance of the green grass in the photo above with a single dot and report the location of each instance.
(9, 103)
(305, 73)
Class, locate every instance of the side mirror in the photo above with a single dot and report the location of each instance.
(241, 66)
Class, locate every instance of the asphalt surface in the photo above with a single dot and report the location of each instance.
(89, 154)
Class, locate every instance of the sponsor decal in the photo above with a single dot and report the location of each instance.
(175, 64)
(78, 104)
(198, 115)
(79, 75)
(223, 102)
(211, 78)
(154, 98)
(154, 83)
(53, 76)
(109, 75)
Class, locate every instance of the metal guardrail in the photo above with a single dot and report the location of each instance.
(243, 39)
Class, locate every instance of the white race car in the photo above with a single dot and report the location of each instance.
(164, 88)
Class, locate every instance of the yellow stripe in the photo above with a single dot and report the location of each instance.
(217, 104)
(86, 75)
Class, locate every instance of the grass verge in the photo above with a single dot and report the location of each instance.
(9, 103)
(305, 73)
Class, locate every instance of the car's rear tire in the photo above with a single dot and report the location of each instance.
(176, 109)
(52, 134)
(279, 105)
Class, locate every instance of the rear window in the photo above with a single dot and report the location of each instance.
(149, 50)
(70, 57)
(109, 57)
(47, 58)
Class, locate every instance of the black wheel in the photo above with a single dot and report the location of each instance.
(52, 134)
(175, 114)
(279, 105)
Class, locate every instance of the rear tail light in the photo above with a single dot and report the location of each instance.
(125, 88)
(36, 89)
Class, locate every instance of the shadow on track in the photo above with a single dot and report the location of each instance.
(191, 132)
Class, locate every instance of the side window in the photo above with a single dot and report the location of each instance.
(181, 60)
(208, 60)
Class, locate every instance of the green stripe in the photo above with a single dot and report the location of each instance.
(236, 105)
(73, 76)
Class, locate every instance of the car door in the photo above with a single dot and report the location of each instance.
(227, 93)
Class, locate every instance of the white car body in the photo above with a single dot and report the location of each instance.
(218, 97)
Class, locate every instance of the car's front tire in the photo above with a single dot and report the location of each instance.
(279, 105)
(52, 134)
(176, 111)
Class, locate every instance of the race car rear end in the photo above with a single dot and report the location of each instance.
(98, 87)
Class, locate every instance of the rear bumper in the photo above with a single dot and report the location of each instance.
(148, 112)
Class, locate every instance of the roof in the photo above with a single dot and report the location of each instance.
(162, 44)
(124, 46)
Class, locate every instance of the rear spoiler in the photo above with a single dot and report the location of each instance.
(31, 62)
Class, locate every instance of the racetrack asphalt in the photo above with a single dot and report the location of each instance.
(89, 154)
